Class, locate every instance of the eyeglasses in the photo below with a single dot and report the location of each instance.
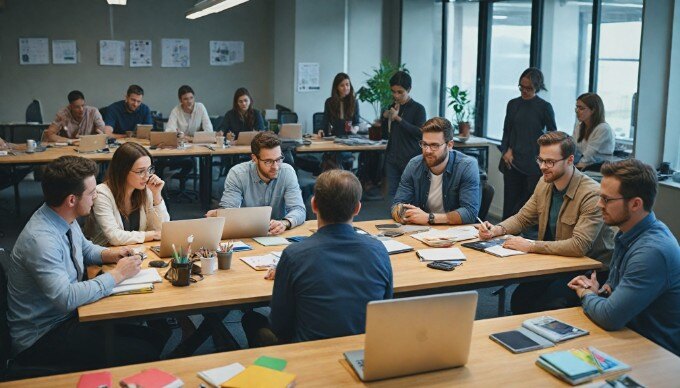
(606, 200)
(270, 162)
(525, 88)
(548, 162)
(430, 146)
(145, 172)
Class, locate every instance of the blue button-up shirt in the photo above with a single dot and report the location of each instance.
(118, 118)
(644, 277)
(43, 288)
(324, 282)
(460, 186)
(244, 188)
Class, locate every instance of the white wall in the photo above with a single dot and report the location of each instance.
(87, 21)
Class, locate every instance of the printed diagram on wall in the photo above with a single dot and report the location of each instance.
(225, 53)
(112, 53)
(308, 77)
(175, 53)
(34, 51)
(64, 52)
(140, 53)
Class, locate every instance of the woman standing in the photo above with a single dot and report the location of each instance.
(401, 123)
(128, 208)
(242, 117)
(341, 110)
(594, 137)
(527, 117)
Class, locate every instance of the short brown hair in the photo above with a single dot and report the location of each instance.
(135, 89)
(567, 145)
(337, 193)
(637, 180)
(65, 176)
(262, 140)
(441, 125)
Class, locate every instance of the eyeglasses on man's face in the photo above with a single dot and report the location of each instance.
(430, 146)
(550, 163)
(270, 162)
(145, 171)
(605, 200)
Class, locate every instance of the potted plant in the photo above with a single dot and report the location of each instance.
(462, 110)
(377, 92)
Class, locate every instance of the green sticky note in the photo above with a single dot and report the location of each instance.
(271, 363)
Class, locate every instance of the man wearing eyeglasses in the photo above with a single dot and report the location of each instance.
(441, 186)
(642, 291)
(564, 206)
(265, 181)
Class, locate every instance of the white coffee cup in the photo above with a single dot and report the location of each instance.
(208, 265)
(220, 141)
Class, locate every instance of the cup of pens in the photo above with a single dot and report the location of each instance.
(224, 254)
(179, 273)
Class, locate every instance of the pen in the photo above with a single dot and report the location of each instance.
(482, 224)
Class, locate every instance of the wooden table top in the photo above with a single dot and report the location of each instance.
(322, 364)
(243, 285)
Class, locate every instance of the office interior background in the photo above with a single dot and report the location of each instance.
(628, 51)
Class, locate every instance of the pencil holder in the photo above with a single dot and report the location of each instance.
(224, 259)
(179, 274)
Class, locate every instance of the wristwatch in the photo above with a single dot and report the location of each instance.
(430, 219)
(287, 223)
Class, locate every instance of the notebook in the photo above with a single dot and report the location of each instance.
(452, 234)
(259, 376)
(271, 241)
(261, 263)
(152, 378)
(271, 362)
(141, 288)
(440, 254)
(216, 376)
(577, 366)
(147, 275)
(95, 380)
(394, 246)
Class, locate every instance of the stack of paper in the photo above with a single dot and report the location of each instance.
(440, 254)
(261, 263)
(215, 377)
(447, 237)
(140, 283)
(577, 366)
(394, 246)
(258, 376)
(499, 251)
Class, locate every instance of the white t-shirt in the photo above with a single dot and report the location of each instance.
(435, 199)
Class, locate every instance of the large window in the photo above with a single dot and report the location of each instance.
(510, 48)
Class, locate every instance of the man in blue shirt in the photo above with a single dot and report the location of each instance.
(265, 181)
(441, 186)
(324, 282)
(47, 279)
(643, 288)
(124, 115)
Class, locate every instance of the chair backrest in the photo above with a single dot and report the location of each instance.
(102, 111)
(487, 196)
(317, 119)
(288, 118)
(34, 112)
(216, 121)
(21, 133)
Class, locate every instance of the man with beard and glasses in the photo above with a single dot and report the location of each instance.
(642, 291)
(441, 186)
(564, 206)
(265, 181)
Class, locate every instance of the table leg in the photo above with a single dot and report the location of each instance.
(205, 189)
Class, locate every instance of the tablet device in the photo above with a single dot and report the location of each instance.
(520, 341)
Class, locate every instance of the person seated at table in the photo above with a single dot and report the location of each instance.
(265, 181)
(642, 291)
(564, 206)
(441, 186)
(75, 120)
(129, 208)
(47, 280)
(188, 116)
(323, 283)
(124, 115)
(341, 110)
(594, 137)
(242, 116)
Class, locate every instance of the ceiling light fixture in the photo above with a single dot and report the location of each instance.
(207, 7)
(116, 2)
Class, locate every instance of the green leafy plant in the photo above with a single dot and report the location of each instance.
(460, 103)
(377, 90)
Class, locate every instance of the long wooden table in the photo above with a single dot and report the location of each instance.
(241, 285)
(321, 363)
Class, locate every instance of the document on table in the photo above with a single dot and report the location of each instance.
(456, 234)
(271, 240)
(147, 275)
(261, 263)
(498, 250)
(138, 288)
(440, 254)
(394, 246)
(216, 376)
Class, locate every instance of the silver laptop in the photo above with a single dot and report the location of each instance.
(203, 137)
(163, 139)
(206, 231)
(245, 222)
(245, 138)
(291, 133)
(92, 143)
(143, 131)
(414, 335)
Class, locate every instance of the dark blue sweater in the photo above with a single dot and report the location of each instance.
(121, 120)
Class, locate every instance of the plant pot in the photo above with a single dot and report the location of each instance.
(375, 132)
(464, 129)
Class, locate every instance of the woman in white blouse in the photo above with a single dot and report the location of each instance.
(594, 137)
(189, 116)
(129, 208)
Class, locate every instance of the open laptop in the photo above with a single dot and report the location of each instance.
(245, 222)
(206, 231)
(245, 138)
(291, 133)
(414, 335)
(203, 137)
(163, 139)
(143, 131)
(92, 143)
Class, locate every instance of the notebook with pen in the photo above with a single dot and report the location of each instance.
(493, 247)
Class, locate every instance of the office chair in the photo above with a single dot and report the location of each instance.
(102, 111)
(487, 196)
(288, 118)
(317, 120)
(34, 112)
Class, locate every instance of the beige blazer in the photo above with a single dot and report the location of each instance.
(580, 229)
(104, 226)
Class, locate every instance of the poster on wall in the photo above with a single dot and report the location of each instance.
(175, 53)
(64, 52)
(140, 53)
(112, 53)
(226, 53)
(34, 51)
(308, 77)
